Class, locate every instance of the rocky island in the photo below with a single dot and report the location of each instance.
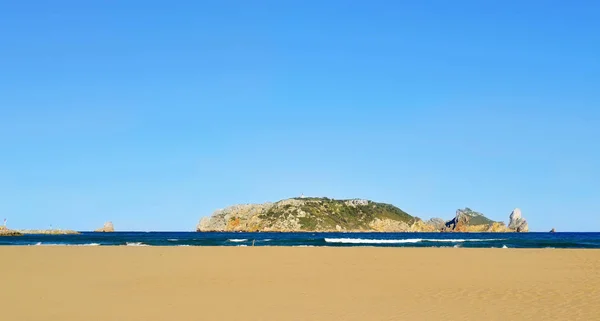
(355, 215)
(467, 220)
(4, 231)
(49, 232)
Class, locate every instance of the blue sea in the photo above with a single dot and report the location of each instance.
(467, 240)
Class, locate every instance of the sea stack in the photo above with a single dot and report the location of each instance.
(553, 230)
(517, 222)
(108, 227)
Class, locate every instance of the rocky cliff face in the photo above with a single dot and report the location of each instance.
(437, 223)
(458, 223)
(517, 222)
(108, 227)
(328, 215)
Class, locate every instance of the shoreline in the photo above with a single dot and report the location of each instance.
(389, 248)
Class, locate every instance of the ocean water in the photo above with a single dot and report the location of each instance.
(467, 240)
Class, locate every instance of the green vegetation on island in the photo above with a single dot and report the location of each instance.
(328, 214)
(476, 218)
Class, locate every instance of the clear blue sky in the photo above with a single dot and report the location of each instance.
(153, 114)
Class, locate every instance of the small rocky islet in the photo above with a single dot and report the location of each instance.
(305, 214)
(4, 231)
(107, 228)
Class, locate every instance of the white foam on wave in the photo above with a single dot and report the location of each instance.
(244, 245)
(172, 240)
(63, 244)
(400, 241)
(461, 240)
(504, 246)
(135, 244)
(237, 240)
(370, 241)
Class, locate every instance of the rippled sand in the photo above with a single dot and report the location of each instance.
(246, 283)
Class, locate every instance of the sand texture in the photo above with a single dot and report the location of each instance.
(279, 283)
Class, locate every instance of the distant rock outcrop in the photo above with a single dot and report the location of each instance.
(6, 232)
(517, 222)
(49, 232)
(108, 227)
(467, 220)
(553, 230)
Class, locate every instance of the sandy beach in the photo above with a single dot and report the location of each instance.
(279, 283)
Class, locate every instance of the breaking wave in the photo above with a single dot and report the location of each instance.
(380, 241)
(135, 244)
(461, 240)
(370, 241)
(237, 240)
(65, 244)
